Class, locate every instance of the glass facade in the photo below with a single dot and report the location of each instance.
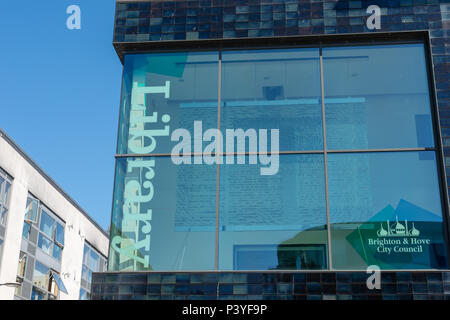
(355, 166)
(39, 263)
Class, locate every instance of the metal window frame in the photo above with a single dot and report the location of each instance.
(320, 42)
(33, 198)
(52, 239)
(51, 282)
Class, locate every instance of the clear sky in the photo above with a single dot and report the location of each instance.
(60, 94)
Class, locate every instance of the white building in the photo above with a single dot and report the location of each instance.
(48, 243)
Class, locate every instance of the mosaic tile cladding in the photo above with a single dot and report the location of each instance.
(278, 286)
(167, 21)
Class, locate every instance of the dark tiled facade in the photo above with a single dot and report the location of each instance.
(270, 286)
(222, 19)
(147, 25)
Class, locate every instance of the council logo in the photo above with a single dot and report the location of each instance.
(397, 229)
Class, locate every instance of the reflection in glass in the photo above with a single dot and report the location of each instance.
(273, 222)
(5, 193)
(86, 255)
(26, 230)
(166, 91)
(37, 294)
(57, 283)
(174, 206)
(94, 261)
(47, 224)
(59, 235)
(164, 216)
(32, 210)
(373, 195)
(3, 212)
(56, 252)
(41, 275)
(45, 244)
(84, 273)
(83, 294)
(274, 89)
(377, 97)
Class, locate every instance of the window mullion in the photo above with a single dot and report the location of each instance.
(324, 132)
(218, 157)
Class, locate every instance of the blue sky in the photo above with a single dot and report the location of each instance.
(60, 93)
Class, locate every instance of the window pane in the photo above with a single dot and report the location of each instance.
(273, 222)
(175, 89)
(2, 180)
(93, 261)
(377, 97)
(56, 252)
(89, 276)
(21, 264)
(274, 89)
(5, 193)
(2, 184)
(45, 244)
(41, 275)
(26, 230)
(47, 224)
(59, 236)
(85, 273)
(57, 279)
(83, 294)
(86, 255)
(182, 203)
(32, 209)
(37, 294)
(385, 210)
(3, 212)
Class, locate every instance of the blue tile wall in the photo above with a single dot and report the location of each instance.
(399, 285)
(221, 19)
(168, 21)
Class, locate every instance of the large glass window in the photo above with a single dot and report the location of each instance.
(162, 92)
(46, 283)
(51, 234)
(377, 97)
(47, 225)
(274, 89)
(274, 222)
(169, 204)
(31, 217)
(354, 163)
(385, 210)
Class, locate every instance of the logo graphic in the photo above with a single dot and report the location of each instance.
(406, 237)
(398, 230)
